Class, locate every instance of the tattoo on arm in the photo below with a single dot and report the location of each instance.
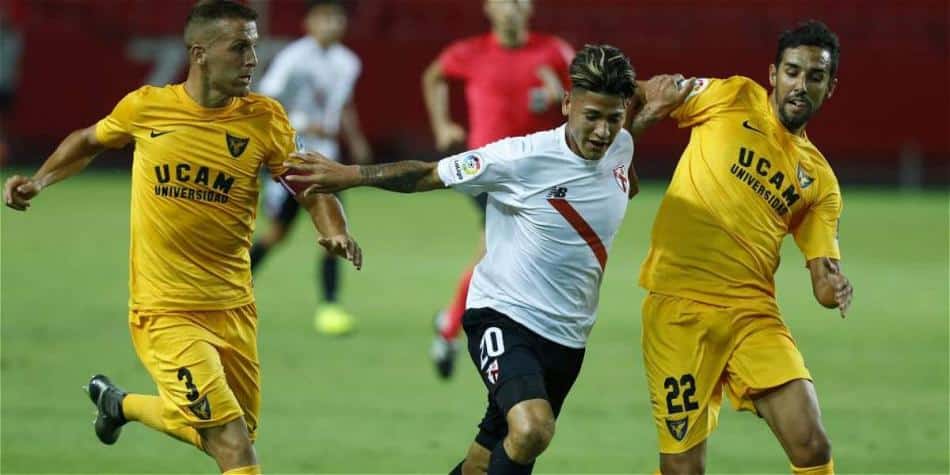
(403, 177)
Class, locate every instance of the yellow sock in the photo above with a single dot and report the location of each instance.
(826, 469)
(249, 470)
(148, 411)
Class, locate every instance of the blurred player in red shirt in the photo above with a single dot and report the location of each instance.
(514, 81)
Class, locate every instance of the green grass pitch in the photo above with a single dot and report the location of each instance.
(371, 403)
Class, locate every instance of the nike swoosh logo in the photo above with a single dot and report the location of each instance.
(746, 125)
(156, 133)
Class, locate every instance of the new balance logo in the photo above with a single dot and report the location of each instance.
(558, 192)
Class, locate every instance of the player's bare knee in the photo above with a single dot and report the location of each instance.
(226, 445)
(230, 444)
(531, 436)
(811, 450)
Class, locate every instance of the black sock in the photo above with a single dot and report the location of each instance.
(258, 251)
(458, 468)
(330, 273)
(501, 464)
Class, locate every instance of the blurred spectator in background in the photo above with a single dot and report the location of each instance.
(314, 78)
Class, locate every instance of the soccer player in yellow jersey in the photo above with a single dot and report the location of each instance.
(748, 177)
(198, 149)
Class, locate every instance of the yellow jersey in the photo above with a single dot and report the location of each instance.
(194, 193)
(743, 182)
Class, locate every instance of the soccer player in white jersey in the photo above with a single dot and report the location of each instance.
(555, 201)
(313, 78)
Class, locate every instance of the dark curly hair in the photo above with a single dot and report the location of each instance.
(810, 33)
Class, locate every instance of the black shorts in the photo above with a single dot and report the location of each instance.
(516, 365)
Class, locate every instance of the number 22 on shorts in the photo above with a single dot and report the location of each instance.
(688, 384)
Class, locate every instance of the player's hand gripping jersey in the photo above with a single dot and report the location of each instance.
(741, 185)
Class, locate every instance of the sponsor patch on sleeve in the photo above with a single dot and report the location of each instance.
(466, 167)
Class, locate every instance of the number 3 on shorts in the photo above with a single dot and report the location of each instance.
(492, 345)
(184, 374)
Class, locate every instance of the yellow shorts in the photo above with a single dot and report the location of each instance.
(204, 364)
(692, 350)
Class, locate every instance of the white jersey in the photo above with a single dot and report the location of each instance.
(551, 218)
(313, 83)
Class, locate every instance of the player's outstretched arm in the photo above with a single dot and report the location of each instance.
(657, 98)
(74, 154)
(832, 289)
(320, 175)
(407, 176)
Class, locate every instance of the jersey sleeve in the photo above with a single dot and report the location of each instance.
(817, 233)
(486, 169)
(708, 97)
(454, 60)
(116, 129)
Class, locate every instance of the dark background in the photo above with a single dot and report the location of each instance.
(889, 121)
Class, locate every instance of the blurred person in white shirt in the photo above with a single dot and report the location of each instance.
(314, 78)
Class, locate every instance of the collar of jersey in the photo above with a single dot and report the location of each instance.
(202, 110)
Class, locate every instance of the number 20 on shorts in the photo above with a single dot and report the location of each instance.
(491, 346)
